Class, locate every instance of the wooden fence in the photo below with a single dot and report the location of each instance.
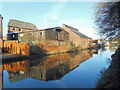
(16, 48)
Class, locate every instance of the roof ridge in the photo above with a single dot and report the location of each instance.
(76, 31)
(21, 21)
(21, 24)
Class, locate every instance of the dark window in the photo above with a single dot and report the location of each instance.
(57, 36)
(13, 28)
(40, 33)
(30, 34)
(20, 29)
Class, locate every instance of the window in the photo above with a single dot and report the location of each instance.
(19, 29)
(40, 33)
(13, 29)
(13, 36)
(30, 34)
(57, 36)
(21, 35)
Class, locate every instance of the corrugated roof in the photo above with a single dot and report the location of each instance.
(21, 24)
(76, 31)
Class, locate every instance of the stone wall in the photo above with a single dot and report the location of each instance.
(31, 36)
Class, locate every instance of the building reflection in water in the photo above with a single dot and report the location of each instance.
(1, 77)
(51, 67)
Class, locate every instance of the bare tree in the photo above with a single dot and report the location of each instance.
(107, 18)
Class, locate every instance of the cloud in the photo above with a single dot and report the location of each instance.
(54, 14)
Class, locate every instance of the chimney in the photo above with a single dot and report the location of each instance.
(63, 25)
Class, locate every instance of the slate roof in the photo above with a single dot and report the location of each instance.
(21, 24)
(76, 31)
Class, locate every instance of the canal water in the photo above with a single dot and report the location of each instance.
(76, 70)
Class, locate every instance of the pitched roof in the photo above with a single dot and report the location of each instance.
(76, 31)
(21, 24)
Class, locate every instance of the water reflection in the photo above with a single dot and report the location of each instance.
(52, 67)
(109, 77)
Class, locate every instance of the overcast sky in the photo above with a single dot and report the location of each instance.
(79, 15)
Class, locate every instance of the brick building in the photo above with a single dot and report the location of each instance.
(76, 38)
(1, 31)
(48, 41)
(15, 26)
(1, 27)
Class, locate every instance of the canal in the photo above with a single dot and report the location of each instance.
(76, 70)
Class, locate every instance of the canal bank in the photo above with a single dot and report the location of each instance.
(110, 78)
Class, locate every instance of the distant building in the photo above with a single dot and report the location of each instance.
(95, 42)
(15, 26)
(115, 40)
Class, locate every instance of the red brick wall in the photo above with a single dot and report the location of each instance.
(80, 42)
(17, 29)
(52, 46)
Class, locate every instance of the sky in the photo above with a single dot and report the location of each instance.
(79, 15)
